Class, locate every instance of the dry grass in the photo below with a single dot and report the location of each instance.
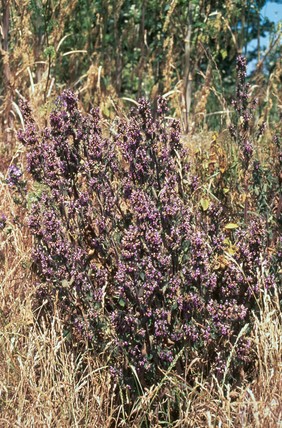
(44, 383)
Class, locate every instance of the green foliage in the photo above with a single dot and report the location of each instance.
(49, 52)
(140, 47)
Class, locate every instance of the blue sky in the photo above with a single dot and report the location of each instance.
(273, 11)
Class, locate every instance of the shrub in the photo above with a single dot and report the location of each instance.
(121, 249)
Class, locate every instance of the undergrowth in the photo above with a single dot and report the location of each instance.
(141, 280)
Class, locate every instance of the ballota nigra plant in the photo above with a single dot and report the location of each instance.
(135, 269)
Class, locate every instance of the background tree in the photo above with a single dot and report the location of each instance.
(108, 50)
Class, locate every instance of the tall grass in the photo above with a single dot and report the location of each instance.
(47, 382)
(44, 383)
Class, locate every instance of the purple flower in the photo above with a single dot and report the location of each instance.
(3, 221)
(14, 175)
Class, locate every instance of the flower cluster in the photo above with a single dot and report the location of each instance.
(244, 106)
(14, 175)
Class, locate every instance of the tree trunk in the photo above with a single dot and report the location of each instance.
(7, 105)
(142, 47)
(188, 77)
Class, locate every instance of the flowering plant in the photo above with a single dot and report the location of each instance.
(134, 267)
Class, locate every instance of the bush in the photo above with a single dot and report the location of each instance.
(134, 265)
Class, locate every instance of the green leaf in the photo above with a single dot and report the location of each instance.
(121, 303)
(232, 250)
(205, 203)
(231, 226)
(223, 53)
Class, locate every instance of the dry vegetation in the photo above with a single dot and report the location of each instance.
(46, 383)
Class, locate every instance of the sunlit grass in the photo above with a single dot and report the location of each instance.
(44, 382)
